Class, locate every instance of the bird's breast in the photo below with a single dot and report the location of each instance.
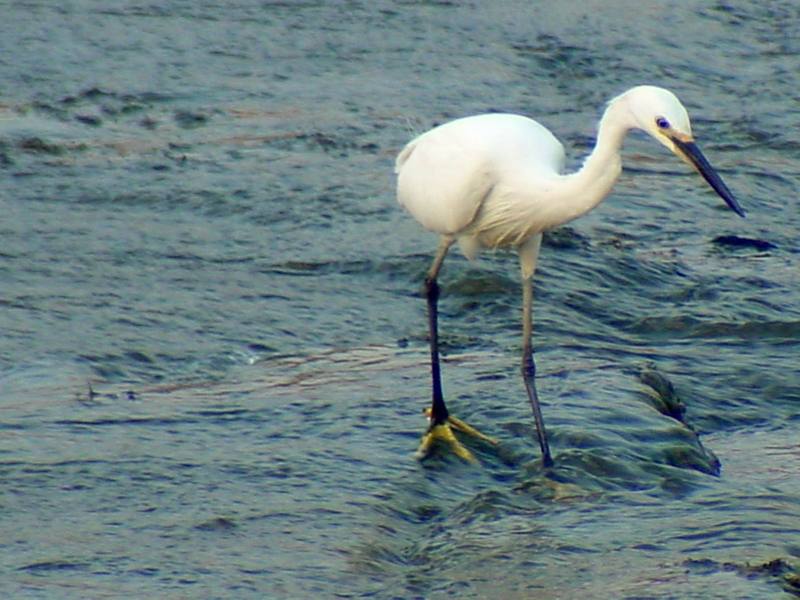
(517, 209)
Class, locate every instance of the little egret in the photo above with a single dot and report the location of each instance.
(496, 181)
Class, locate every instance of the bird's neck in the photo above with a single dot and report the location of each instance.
(588, 186)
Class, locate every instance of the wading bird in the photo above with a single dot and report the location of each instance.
(496, 181)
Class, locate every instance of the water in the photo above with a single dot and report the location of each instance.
(213, 361)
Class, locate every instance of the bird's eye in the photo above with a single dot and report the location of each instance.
(662, 123)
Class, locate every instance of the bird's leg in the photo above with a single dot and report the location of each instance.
(529, 367)
(440, 420)
(439, 411)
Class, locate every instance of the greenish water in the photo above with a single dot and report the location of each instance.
(213, 360)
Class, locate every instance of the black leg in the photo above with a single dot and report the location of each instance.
(439, 412)
(528, 374)
(442, 423)
(529, 370)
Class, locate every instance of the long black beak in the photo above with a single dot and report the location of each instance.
(693, 155)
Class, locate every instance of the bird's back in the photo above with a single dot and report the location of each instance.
(445, 174)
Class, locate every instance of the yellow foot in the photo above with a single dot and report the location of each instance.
(463, 427)
(443, 432)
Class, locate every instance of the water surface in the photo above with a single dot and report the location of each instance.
(213, 361)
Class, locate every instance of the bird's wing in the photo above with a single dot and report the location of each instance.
(442, 182)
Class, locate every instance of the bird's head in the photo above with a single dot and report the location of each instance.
(659, 113)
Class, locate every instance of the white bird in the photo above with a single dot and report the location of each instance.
(496, 181)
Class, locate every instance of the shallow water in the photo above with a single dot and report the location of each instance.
(213, 361)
